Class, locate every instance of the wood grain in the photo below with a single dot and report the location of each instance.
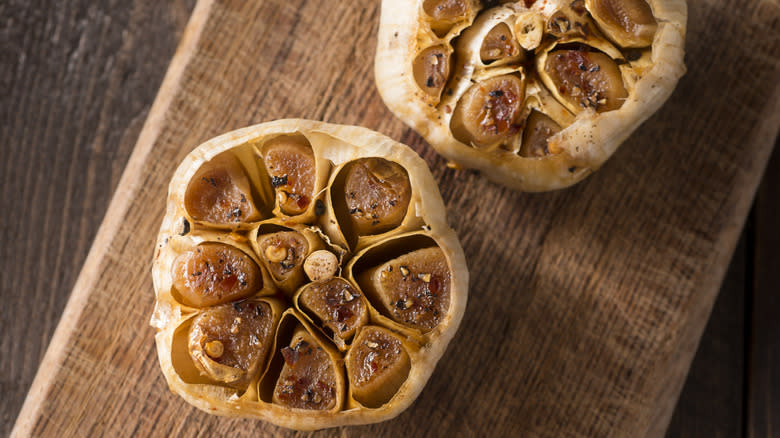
(76, 82)
(618, 274)
(712, 401)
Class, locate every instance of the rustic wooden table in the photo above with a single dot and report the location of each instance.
(78, 79)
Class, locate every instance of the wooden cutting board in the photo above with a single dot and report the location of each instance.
(586, 305)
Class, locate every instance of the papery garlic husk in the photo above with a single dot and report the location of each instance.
(583, 143)
(195, 340)
(285, 269)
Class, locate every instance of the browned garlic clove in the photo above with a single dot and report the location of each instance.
(308, 377)
(219, 193)
(628, 23)
(230, 343)
(432, 70)
(490, 111)
(581, 79)
(215, 273)
(335, 304)
(413, 289)
(291, 166)
(377, 194)
(538, 129)
(377, 365)
(498, 44)
(445, 13)
(283, 254)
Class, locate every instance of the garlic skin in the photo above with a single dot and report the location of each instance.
(584, 143)
(334, 147)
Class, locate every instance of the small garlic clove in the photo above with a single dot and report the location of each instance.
(321, 265)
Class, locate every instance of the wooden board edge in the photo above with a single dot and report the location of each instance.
(120, 202)
(680, 364)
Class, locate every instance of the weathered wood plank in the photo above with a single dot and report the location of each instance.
(618, 274)
(711, 402)
(77, 79)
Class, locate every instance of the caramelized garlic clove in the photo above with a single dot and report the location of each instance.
(308, 377)
(431, 69)
(628, 23)
(498, 44)
(335, 304)
(292, 169)
(413, 289)
(377, 194)
(214, 273)
(283, 253)
(220, 193)
(377, 365)
(538, 129)
(230, 343)
(581, 79)
(445, 13)
(490, 111)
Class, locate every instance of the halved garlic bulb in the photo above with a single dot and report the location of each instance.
(257, 318)
(608, 64)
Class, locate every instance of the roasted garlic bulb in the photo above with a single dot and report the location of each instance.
(305, 275)
(536, 94)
